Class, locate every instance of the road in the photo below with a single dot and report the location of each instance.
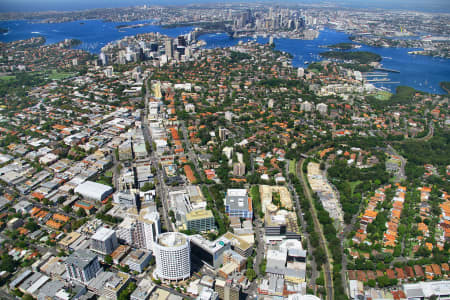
(327, 262)
(116, 172)
(430, 133)
(190, 152)
(6, 295)
(392, 151)
(260, 250)
(161, 188)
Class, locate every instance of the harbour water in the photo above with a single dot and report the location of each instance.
(421, 72)
(94, 34)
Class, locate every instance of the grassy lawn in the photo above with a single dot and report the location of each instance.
(393, 179)
(292, 164)
(6, 78)
(394, 161)
(60, 75)
(383, 95)
(108, 173)
(354, 184)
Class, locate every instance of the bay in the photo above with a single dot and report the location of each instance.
(421, 72)
(94, 34)
(424, 73)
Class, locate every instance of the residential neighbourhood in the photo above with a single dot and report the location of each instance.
(162, 169)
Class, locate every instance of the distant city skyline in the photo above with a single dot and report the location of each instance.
(45, 5)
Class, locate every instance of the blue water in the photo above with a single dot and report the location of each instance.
(421, 72)
(93, 33)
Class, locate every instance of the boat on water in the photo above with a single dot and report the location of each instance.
(383, 88)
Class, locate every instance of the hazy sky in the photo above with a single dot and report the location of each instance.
(37, 5)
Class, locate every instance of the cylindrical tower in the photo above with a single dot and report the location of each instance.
(172, 254)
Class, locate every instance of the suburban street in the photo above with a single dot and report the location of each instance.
(190, 152)
(392, 151)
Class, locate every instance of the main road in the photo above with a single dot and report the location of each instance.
(161, 187)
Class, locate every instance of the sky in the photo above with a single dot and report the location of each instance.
(42, 5)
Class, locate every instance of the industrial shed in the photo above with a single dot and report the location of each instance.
(93, 190)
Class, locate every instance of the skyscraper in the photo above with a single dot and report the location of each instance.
(140, 230)
(169, 48)
(172, 254)
(182, 41)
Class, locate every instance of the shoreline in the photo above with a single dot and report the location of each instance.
(284, 44)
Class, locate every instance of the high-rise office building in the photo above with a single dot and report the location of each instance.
(140, 230)
(172, 254)
(82, 266)
(182, 41)
(169, 48)
(238, 204)
(238, 169)
(103, 58)
(104, 241)
(200, 220)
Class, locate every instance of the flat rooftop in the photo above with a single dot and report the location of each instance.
(171, 239)
(199, 214)
(103, 234)
(237, 192)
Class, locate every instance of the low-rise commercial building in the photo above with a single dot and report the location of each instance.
(138, 260)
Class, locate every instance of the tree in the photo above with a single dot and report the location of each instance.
(147, 187)
(32, 226)
(172, 216)
(7, 263)
(251, 274)
(125, 294)
(383, 281)
(81, 213)
(108, 259)
(27, 297)
(372, 283)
